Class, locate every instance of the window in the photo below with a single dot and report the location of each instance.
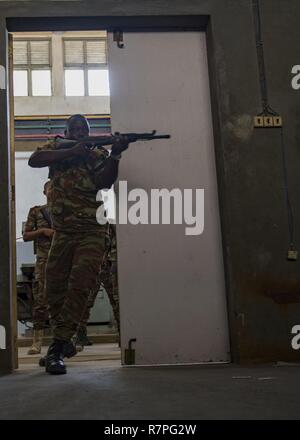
(85, 64)
(32, 67)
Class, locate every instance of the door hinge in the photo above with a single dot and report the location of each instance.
(13, 193)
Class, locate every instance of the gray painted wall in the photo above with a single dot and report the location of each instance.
(254, 217)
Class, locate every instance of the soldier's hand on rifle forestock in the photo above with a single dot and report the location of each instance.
(80, 150)
(120, 144)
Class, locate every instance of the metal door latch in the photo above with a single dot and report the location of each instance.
(118, 37)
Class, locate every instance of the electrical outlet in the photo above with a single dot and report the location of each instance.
(277, 121)
(293, 255)
(267, 121)
(258, 121)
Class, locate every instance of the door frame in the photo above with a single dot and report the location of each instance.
(67, 22)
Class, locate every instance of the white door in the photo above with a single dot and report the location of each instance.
(172, 290)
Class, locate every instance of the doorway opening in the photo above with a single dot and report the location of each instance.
(176, 273)
(54, 75)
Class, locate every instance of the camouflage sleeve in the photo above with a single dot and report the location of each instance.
(31, 224)
(48, 146)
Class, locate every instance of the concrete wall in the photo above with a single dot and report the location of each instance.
(263, 288)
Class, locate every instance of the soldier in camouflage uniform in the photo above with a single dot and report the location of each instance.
(77, 174)
(107, 278)
(38, 229)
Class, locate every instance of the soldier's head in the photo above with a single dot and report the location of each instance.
(77, 127)
(47, 188)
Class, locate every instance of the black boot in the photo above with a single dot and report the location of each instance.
(55, 358)
(69, 350)
(81, 337)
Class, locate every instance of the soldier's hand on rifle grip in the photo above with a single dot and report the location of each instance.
(120, 144)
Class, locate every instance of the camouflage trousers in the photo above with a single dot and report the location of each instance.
(108, 278)
(40, 306)
(72, 269)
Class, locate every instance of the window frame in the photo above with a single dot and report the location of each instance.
(85, 66)
(30, 67)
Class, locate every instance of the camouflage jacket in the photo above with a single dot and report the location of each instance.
(35, 221)
(72, 196)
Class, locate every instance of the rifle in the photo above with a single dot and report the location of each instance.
(93, 142)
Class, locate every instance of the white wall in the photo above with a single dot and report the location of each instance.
(171, 286)
(29, 188)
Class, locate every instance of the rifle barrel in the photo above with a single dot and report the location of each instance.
(108, 139)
